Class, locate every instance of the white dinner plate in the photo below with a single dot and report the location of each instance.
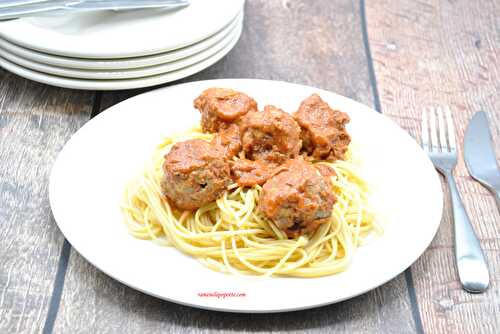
(117, 84)
(120, 34)
(119, 63)
(123, 73)
(89, 176)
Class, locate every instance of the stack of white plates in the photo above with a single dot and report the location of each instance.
(111, 50)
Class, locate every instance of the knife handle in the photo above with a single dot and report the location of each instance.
(29, 9)
(471, 264)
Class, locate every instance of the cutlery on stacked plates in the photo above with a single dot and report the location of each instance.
(479, 154)
(25, 9)
(471, 264)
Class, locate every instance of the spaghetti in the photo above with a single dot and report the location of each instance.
(230, 234)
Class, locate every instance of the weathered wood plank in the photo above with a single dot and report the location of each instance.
(35, 121)
(445, 52)
(317, 43)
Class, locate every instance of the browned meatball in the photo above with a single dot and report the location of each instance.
(219, 107)
(248, 173)
(297, 199)
(195, 173)
(323, 129)
(270, 135)
(229, 140)
(325, 170)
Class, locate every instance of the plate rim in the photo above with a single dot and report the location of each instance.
(120, 63)
(126, 73)
(417, 255)
(123, 84)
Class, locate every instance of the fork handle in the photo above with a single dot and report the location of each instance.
(471, 264)
(497, 197)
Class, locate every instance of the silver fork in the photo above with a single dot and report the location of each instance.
(471, 264)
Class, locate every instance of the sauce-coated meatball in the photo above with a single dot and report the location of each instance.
(220, 107)
(195, 173)
(270, 135)
(248, 173)
(297, 199)
(229, 140)
(323, 129)
(325, 171)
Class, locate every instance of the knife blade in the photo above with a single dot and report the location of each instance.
(126, 4)
(33, 8)
(480, 156)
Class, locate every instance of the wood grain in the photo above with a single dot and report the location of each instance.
(35, 121)
(445, 53)
(317, 43)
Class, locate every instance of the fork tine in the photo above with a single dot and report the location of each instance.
(425, 131)
(442, 130)
(434, 138)
(451, 129)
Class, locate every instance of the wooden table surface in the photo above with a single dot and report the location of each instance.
(396, 56)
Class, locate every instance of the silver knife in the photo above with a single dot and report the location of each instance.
(480, 156)
(33, 8)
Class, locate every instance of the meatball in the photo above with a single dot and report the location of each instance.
(270, 135)
(248, 173)
(325, 170)
(229, 140)
(323, 129)
(220, 107)
(297, 198)
(195, 173)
